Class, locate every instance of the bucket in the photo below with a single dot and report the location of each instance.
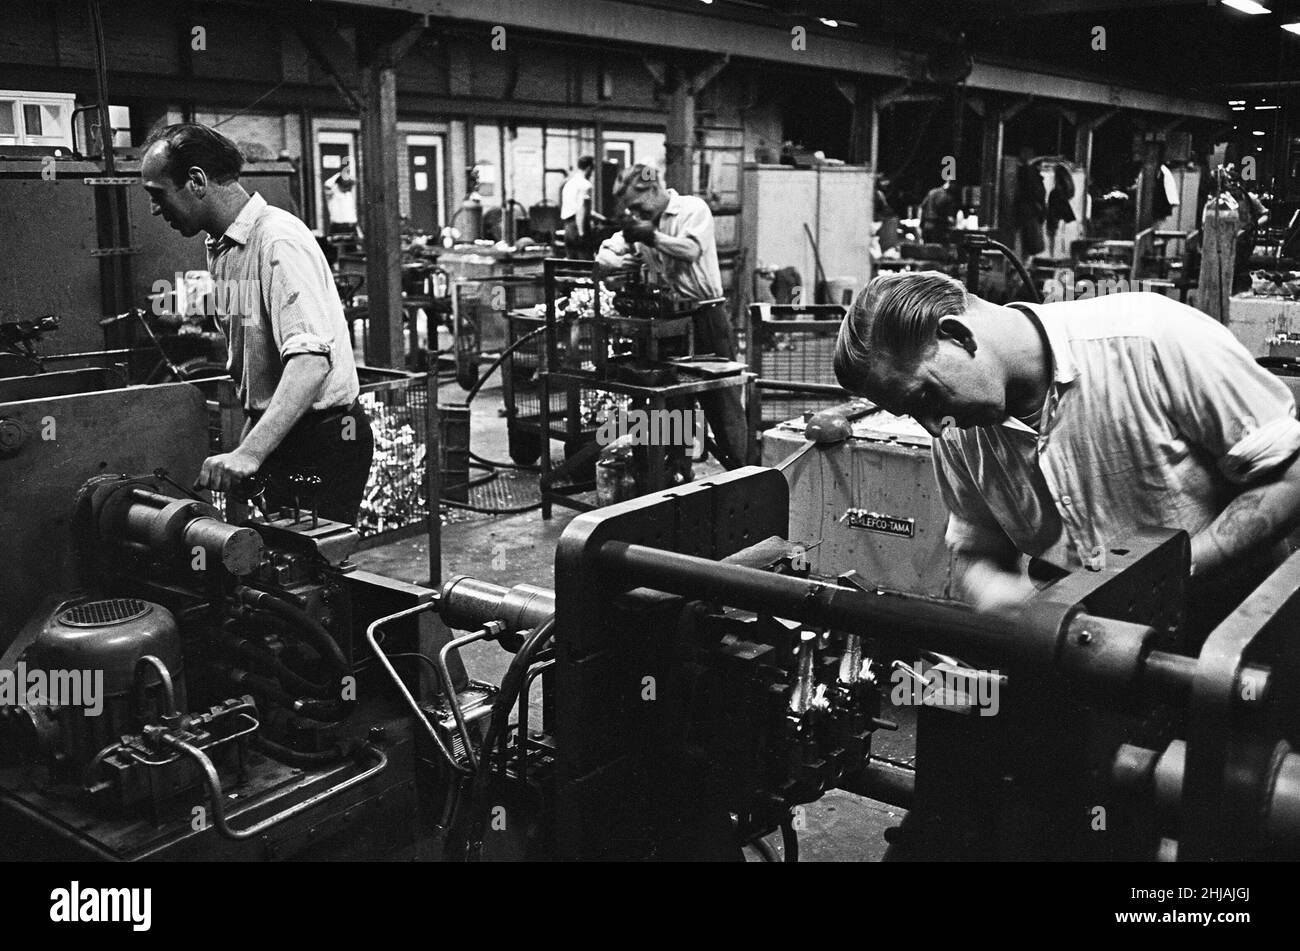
(841, 290)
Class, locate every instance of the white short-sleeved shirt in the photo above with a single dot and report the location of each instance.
(577, 190)
(275, 299)
(1156, 417)
(685, 217)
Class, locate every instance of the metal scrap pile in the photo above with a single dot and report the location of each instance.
(395, 495)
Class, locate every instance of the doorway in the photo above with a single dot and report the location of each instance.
(424, 170)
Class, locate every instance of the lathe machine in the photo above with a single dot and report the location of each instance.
(682, 691)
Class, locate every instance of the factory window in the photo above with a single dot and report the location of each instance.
(36, 118)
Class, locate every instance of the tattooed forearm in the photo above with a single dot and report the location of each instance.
(1247, 521)
(1252, 521)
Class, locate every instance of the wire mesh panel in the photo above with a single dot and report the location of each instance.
(793, 345)
(397, 496)
(522, 389)
(480, 308)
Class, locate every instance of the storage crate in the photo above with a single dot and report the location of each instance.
(789, 346)
(869, 503)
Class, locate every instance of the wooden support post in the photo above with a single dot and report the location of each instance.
(379, 54)
(680, 139)
(679, 142)
(383, 239)
(864, 135)
(992, 128)
(875, 139)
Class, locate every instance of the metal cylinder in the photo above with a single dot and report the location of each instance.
(851, 660)
(181, 528)
(238, 548)
(806, 683)
(468, 603)
(88, 654)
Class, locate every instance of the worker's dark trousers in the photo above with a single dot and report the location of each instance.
(723, 408)
(335, 444)
(577, 247)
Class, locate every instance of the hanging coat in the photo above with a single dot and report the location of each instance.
(1058, 202)
(1030, 209)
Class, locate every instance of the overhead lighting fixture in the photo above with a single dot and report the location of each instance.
(1291, 27)
(1236, 102)
(1258, 132)
(1258, 108)
(1238, 108)
(1246, 6)
(826, 22)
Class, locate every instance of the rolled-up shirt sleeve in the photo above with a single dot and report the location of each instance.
(971, 523)
(298, 307)
(1225, 403)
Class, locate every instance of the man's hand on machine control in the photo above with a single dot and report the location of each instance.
(223, 472)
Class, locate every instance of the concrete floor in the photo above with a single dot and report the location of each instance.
(520, 548)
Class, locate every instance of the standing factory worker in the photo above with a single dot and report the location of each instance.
(1061, 429)
(938, 213)
(575, 210)
(674, 236)
(290, 351)
(341, 201)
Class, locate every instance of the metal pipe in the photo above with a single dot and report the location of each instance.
(950, 628)
(164, 675)
(522, 738)
(449, 688)
(407, 698)
(218, 809)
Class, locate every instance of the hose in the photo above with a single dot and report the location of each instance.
(492, 367)
(314, 633)
(340, 751)
(502, 465)
(1020, 269)
(489, 511)
(470, 848)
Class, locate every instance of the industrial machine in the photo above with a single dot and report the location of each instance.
(702, 685)
(185, 687)
(174, 686)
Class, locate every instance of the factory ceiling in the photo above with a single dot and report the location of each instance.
(1193, 46)
(890, 41)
